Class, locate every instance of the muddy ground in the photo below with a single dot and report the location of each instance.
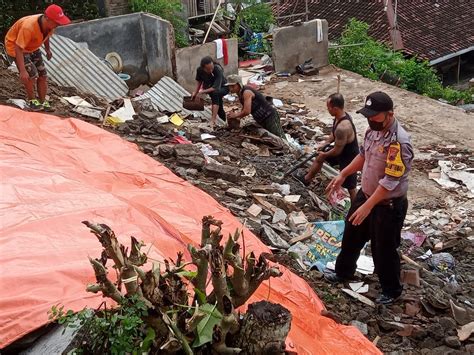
(422, 322)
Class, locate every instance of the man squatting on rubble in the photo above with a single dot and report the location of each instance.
(379, 208)
(345, 148)
(22, 44)
(253, 102)
(210, 76)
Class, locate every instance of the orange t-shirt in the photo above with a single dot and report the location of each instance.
(26, 34)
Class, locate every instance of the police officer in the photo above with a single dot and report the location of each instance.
(380, 206)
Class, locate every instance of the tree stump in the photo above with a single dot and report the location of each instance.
(264, 329)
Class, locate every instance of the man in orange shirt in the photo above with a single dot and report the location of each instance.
(23, 42)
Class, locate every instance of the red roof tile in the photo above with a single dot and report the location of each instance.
(430, 29)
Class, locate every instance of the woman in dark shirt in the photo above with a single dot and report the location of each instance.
(210, 76)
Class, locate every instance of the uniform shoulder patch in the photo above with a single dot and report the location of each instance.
(394, 164)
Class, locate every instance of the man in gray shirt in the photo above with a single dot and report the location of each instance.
(379, 209)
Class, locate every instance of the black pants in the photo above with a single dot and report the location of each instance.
(382, 227)
(216, 98)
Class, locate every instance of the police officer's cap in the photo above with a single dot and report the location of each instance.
(375, 103)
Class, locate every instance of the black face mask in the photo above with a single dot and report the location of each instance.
(377, 126)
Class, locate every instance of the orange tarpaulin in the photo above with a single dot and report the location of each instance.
(56, 173)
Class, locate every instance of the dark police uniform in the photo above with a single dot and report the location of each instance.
(388, 156)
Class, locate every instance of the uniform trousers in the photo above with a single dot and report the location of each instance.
(383, 228)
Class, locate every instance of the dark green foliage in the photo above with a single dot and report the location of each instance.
(12, 10)
(373, 60)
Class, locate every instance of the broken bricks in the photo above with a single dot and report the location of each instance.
(225, 172)
(189, 155)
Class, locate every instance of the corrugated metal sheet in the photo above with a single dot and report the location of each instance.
(75, 65)
(167, 95)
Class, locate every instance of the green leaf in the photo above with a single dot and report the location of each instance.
(187, 274)
(201, 296)
(148, 341)
(206, 325)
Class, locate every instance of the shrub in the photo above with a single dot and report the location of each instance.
(373, 59)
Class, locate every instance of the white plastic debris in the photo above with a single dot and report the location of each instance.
(126, 112)
(18, 102)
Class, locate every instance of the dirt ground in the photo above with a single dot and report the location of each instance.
(433, 126)
(429, 122)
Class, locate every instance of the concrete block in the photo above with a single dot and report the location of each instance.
(225, 172)
(143, 41)
(297, 221)
(234, 192)
(188, 60)
(254, 210)
(410, 277)
(293, 45)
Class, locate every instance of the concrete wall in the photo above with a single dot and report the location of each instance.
(188, 60)
(293, 45)
(159, 46)
(144, 42)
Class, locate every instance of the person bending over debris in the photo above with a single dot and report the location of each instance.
(22, 44)
(346, 148)
(256, 104)
(379, 208)
(210, 76)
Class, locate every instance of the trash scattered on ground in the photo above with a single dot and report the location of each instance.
(18, 102)
(243, 170)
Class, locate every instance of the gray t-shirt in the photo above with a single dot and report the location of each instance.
(388, 157)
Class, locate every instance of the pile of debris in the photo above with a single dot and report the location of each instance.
(244, 170)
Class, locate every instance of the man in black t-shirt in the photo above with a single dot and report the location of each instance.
(255, 104)
(210, 76)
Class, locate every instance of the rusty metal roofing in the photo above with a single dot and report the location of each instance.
(167, 95)
(73, 64)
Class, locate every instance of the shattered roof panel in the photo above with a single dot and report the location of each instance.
(74, 65)
(429, 29)
(167, 95)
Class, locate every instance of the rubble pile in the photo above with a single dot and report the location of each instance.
(244, 169)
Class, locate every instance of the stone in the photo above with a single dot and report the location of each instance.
(194, 134)
(191, 172)
(234, 192)
(166, 150)
(385, 325)
(444, 350)
(436, 331)
(225, 172)
(470, 348)
(361, 326)
(274, 239)
(412, 309)
(254, 210)
(292, 198)
(149, 115)
(410, 277)
(279, 216)
(447, 323)
(363, 316)
(264, 189)
(453, 342)
(297, 221)
(189, 155)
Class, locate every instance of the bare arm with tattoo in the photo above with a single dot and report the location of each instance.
(342, 136)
